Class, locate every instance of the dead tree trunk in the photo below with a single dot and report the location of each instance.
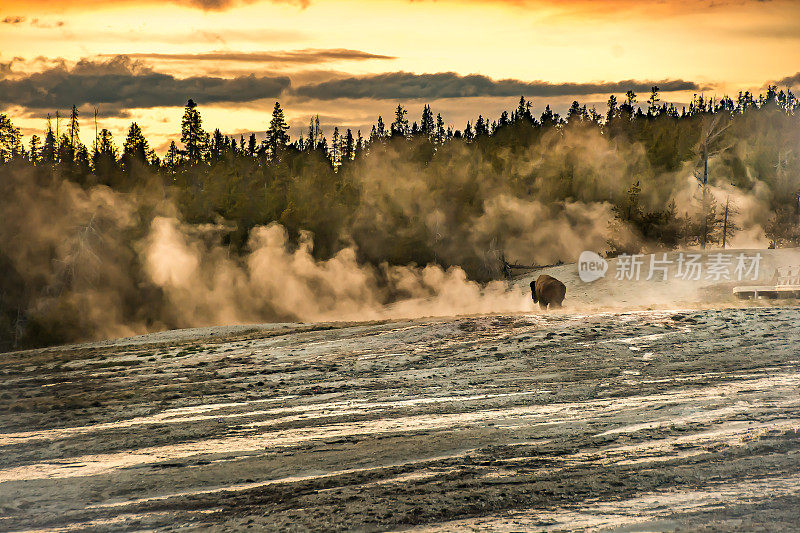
(725, 223)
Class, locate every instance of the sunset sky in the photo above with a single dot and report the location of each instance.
(350, 60)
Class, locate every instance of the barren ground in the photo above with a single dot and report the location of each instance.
(641, 421)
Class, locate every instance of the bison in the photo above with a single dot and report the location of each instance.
(547, 290)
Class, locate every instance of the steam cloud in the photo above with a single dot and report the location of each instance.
(99, 263)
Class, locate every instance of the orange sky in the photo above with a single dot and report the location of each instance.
(719, 47)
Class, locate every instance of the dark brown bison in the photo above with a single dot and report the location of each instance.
(547, 290)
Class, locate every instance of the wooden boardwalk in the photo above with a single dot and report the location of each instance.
(787, 286)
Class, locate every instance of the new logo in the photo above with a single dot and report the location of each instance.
(591, 267)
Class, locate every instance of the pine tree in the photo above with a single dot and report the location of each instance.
(336, 149)
(36, 149)
(468, 135)
(66, 152)
(74, 129)
(359, 145)
(173, 156)
(49, 149)
(574, 113)
(193, 136)
(504, 119)
(481, 127)
(135, 147)
(104, 156)
(105, 144)
(314, 134)
(277, 138)
(348, 146)
(441, 134)
(627, 107)
(612, 112)
(10, 144)
(400, 125)
(549, 118)
(381, 129)
(652, 102)
(521, 108)
(427, 124)
(82, 165)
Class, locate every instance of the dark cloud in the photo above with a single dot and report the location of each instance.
(7, 67)
(281, 56)
(124, 83)
(404, 85)
(789, 81)
(34, 22)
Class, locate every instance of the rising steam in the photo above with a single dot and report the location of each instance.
(91, 262)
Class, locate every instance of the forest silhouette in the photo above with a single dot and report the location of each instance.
(80, 223)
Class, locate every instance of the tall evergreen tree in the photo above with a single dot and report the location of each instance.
(574, 113)
(217, 146)
(381, 129)
(441, 134)
(521, 108)
(612, 112)
(549, 118)
(10, 144)
(193, 136)
(74, 129)
(336, 148)
(66, 152)
(314, 133)
(348, 146)
(630, 100)
(468, 133)
(172, 157)
(105, 144)
(359, 145)
(400, 125)
(104, 156)
(504, 119)
(36, 149)
(427, 124)
(135, 147)
(277, 138)
(652, 102)
(49, 148)
(481, 127)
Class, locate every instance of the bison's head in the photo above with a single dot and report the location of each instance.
(533, 292)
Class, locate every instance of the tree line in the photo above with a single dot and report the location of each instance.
(636, 175)
(204, 162)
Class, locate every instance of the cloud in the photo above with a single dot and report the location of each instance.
(279, 56)
(34, 22)
(125, 83)
(405, 85)
(789, 81)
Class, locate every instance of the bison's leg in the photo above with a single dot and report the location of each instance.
(543, 305)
